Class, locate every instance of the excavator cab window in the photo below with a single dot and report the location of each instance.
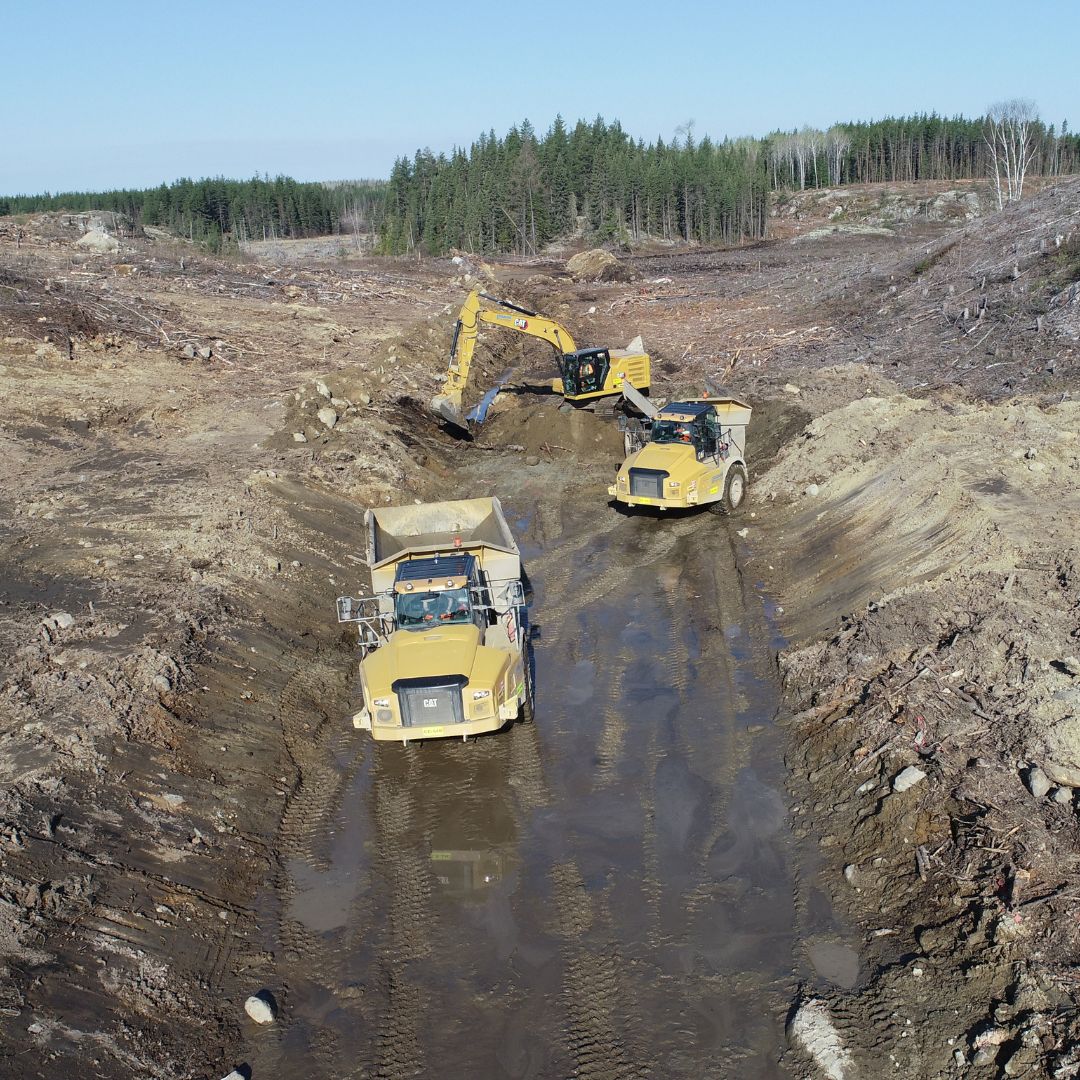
(585, 371)
(421, 610)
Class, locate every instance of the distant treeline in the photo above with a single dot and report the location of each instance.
(211, 211)
(519, 192)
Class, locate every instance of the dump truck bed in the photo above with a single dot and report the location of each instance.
(478, 526)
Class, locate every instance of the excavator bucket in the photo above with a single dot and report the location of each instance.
(449, 407)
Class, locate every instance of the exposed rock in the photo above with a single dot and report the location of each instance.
(61, 620)
(205, 352)
(162, 683)
(1070, 664)
(532, 459)
(99, 242)
(791, 388)
(188, 351)
(1038, 783)
(1062, 775)
(1062, 795)
(908, 778)
(812, 1030)
(323, 389)
(811, 490)
(328, 416)
(299, 436)
(259, 1008)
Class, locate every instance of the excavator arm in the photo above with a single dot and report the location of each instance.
(448, 404)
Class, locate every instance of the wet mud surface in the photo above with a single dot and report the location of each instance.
(610, 891)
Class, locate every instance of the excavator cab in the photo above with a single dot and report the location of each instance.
(584, 371)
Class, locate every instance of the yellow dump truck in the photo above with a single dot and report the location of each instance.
(689, 453)
(444, 634)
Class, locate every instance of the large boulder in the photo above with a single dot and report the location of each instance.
(597, 265)
(99, 242)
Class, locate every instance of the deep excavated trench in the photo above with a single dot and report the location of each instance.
(612, 891)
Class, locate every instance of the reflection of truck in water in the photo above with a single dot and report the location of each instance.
(463, 872)
(444, 634)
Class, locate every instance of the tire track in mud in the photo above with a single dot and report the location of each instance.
(601, 990)
(613, 735)
(404, 915)
(311, 736)
(316, 743)
(600, 1020)
(669, 728)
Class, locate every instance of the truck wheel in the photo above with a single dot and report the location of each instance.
(734, 492)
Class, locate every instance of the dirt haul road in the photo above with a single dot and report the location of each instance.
(654, 878)
(610, 891)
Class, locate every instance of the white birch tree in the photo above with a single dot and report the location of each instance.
(1010, 137)
(837, 144)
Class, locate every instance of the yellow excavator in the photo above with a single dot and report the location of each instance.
(584, 374)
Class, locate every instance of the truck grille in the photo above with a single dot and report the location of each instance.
(428, 702)
(647, 483)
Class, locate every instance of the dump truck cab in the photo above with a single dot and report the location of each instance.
(444, 635)
(689, 453)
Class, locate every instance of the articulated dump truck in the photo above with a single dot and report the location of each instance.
(444, 636)
(688, 453)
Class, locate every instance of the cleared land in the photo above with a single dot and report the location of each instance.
(702, 831)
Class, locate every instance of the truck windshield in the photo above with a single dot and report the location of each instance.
(422, 609)
(672, 431)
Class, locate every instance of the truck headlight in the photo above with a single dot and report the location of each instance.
(479, 695)
(674, 485)
(622, 481)
(381, 703)
(384, 716)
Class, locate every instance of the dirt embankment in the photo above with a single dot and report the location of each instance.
(930, 554)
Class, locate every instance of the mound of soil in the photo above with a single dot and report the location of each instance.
(597, 265)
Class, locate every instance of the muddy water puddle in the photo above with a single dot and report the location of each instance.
(612, 891)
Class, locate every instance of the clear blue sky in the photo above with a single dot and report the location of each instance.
(118, 93)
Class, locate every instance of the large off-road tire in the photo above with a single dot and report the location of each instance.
(734, 492)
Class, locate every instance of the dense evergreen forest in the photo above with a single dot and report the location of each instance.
(213, 211)
(519, 192)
